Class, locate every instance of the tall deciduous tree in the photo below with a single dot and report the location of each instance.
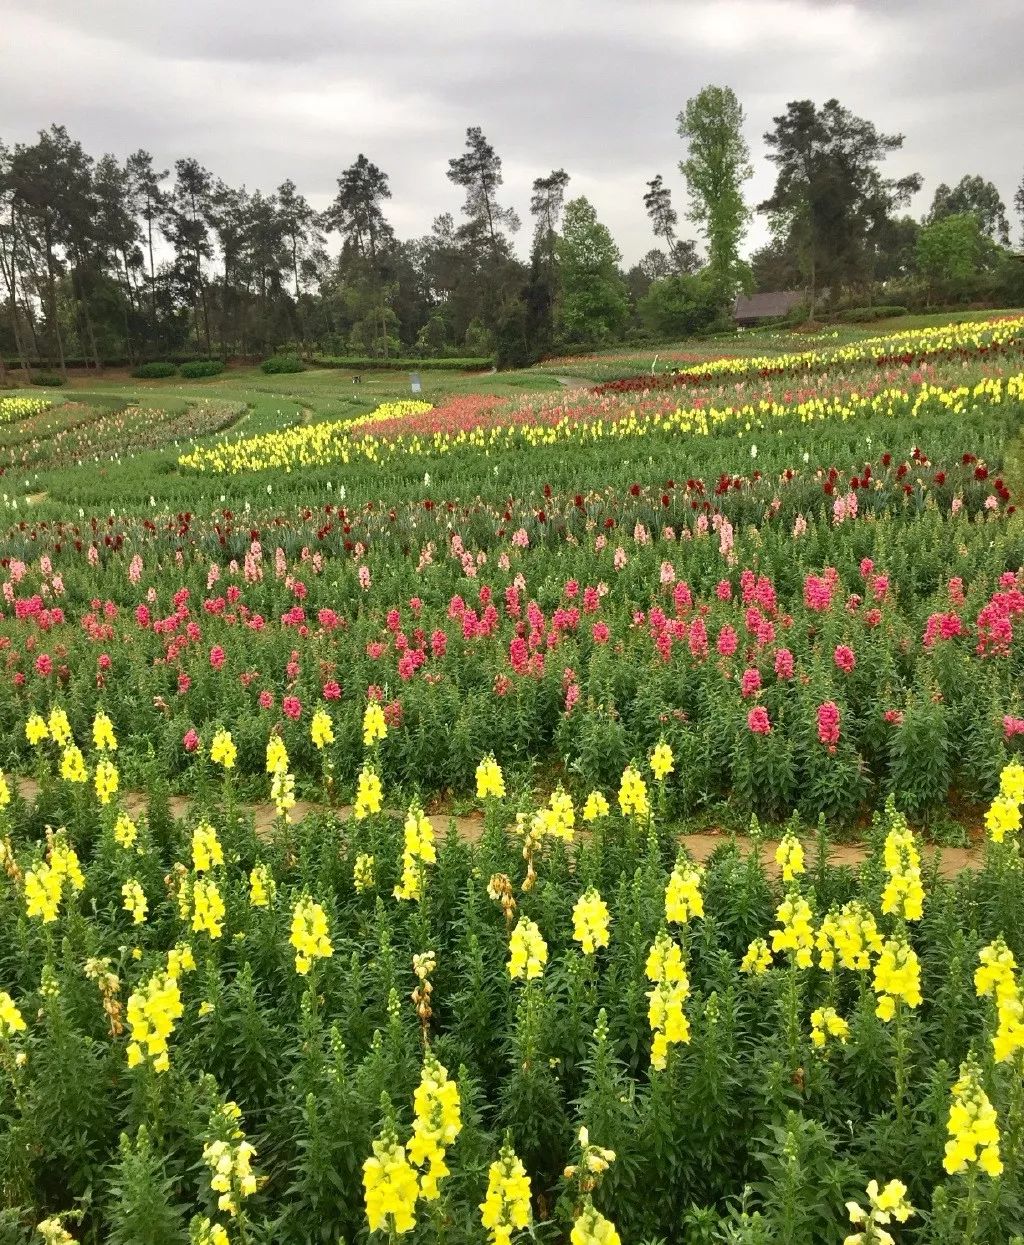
(594, 304)
(716, 166)
(831, 200)
(973, 194)
(952, 252)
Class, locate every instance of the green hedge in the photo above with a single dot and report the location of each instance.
(48, 380)
(355, 364)
(862, 315)
(155, 371)
(281, 363)
(202, 368)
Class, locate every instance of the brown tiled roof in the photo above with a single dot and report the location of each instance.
(767, 306)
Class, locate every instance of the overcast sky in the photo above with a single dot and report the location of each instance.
(262, 91)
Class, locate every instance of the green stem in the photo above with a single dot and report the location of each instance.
(971, 1214)
(901, 1064)
(793, 1014)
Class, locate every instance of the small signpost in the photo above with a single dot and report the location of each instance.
(414, 382)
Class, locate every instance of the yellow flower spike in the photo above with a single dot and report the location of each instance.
(592, 1228)
(11, 1019)
(277, 754)
(135, 900)
(390, 1186)
(897, 977)
(757, 959)
(126, 832)
(590, 921)
(633, 799)
(436, 1125)
(368, 794)
(418, 851)
(320, 729)
(662, 761)
(789, 856)
(363, 873)
(103, 737)
(222, 749)
(683, 899)
(528, 952)
(972, 1126)
(666, 999)
(827, 1023)
(490, 782)
(208, 909)
(310, 934)
(207, 852)
(903, 895)
(375, 728)
(42, 893)
(262, 887)
(506, 1207)
(794, 933)
(72, 765)
(59, 727)
(596, 807)
(151, 1012)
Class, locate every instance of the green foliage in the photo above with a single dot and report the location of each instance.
(716, 166)
(679, 306)
(977, 196)
(593, 308)
(155, 371)
(200, 369)
(829, 192)
(864, 315)
(282, 363)
(951, 253)
(48, 380)
(354, 363)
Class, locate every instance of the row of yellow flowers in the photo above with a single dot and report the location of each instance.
(13, 409)
(398, 1175)
(325, 445)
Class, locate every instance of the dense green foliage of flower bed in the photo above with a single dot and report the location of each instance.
(787, 596)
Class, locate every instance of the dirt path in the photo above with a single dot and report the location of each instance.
(950, 860)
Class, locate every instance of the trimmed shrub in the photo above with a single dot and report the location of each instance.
(280, 363)
(863, 315)
(155, 371)
(355, 364)
(48, 380)
(201, 369)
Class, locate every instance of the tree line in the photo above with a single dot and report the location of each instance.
(103, 259)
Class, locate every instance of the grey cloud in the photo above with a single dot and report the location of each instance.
(260, 92)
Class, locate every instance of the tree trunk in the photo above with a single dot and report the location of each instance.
(54, 325)
(298, 294)
(224, 312)
(8, 265)
(83, 305)
(206, 315)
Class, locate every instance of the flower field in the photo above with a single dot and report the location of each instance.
(784, 603)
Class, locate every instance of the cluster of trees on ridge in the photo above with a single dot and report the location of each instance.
(102, 259)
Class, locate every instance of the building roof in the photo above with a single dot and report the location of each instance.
(767, 306)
